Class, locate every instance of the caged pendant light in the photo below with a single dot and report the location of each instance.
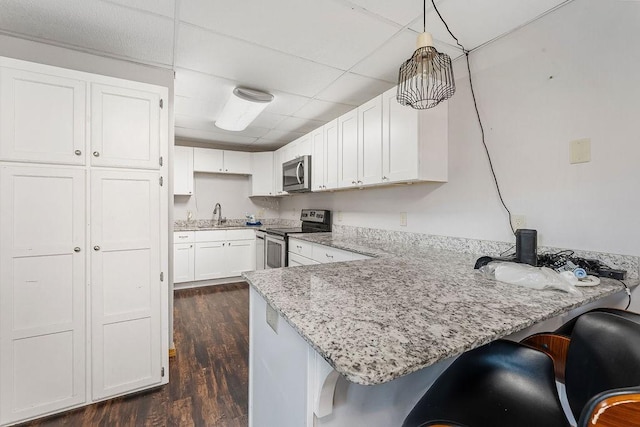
(425, 79)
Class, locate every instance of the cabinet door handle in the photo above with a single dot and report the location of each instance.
(96, 154)
(190, 246)
(78, 152)
(220, 170)
(359, 182)
(223, 244)
(353, 182)
(329, 256)
(226, 170)
(77, 249)
(384, 178)
(96, 248)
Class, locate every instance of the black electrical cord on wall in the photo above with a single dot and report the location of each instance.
(475, 104)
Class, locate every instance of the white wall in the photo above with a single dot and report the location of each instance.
(570, 75)
(231, 191)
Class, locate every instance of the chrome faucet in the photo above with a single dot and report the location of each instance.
(218, 210)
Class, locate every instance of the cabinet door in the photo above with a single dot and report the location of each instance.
(125, 279)
(125, 127)
(331, 154)
(237, 162)
(317, 160)
(183, 171)
(370, 142)
(210, 261)
(262, 174)
(183, 262)
(240, 256)
(303, 148)
(42, 118)
(348, 149)
(208, 160)
(42, 291)
(277, 171)
(399, 140)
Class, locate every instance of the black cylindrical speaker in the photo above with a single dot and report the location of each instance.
(527, 246)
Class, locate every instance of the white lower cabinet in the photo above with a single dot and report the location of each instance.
(302, 252)
(215, 254)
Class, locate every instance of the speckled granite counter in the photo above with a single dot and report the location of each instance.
(408, 308)
(206, 224)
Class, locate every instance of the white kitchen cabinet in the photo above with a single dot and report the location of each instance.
(415, 142)
(221, 161)
(370, 142)
(318, 155)
(125, 260)
(183, 171)
(61, 345)
(302, 252)
(183, 256)
(301, 247)
(297, 148)
(296, 260)
(331, 154)
(224, 253)
(348, 150)
(326, 254)
(277, 171)
(42, 292)
(262, 180)
(43, 117)
(125, 127)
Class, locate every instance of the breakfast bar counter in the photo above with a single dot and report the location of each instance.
(376, 320)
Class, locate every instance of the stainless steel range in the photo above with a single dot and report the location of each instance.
(276, 239)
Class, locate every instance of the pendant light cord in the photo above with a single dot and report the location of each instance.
(475, 104)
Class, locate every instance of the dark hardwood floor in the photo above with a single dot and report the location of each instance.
(208, 383)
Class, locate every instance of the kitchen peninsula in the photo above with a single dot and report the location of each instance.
(357, 343)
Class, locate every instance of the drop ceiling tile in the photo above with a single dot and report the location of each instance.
(497, 17)
(196, 107)
(353, 89)
(268, 120)
(282, 136)
(208, 125)
(327, 32)
(399, 11)
(267, 144)
(192, 84)
(160, 7)
(322, 110)
(93, 25)
(297, 124)
(203, 135)
(251, 65)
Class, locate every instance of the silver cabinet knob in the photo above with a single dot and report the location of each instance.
(359, 182)
(78, 152)
(96, 154)
(353, 182)
(226, 170)
(384, 178)
(329, 256)
(77, 249)
(96, 248)
(220, 170)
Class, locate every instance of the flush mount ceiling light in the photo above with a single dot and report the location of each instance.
(242, 108)
(425, 79)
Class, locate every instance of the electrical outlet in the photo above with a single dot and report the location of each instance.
(580, 151)
(518, 221)
(403, 219)
(260, 213)
(339, 216)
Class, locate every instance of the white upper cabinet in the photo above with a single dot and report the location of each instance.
(221, 161)
(42, 117)
(348, 150)
(414, 142)
(183, 171)
(262, 180)
(277, 171)
(370, 142)
(125, 127)
(318, 166)
(331, 154)
(298, 148)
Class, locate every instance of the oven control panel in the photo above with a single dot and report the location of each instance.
(311, 215)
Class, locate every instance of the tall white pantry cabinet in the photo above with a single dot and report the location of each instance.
(83, 225)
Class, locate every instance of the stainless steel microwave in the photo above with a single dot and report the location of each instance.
(296, 175)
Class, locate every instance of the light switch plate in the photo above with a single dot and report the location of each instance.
(403, 219)
(272, 318)
(580, 151)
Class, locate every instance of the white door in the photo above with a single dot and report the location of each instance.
(240, 256)
(370, 141)
(348, 149)
(125, 281)
(277, 171)
(237, 162)
(42, 118)
(125, 127)
(42, 290)
(210, 261)
(400, 140)
(183, 171)
(183, 262)
(208, 160)
(331, 154)
(317, 159)
(262, 174)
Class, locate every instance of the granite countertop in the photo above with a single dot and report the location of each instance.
(378, 319)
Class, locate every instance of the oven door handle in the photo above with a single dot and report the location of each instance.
(298, 172)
